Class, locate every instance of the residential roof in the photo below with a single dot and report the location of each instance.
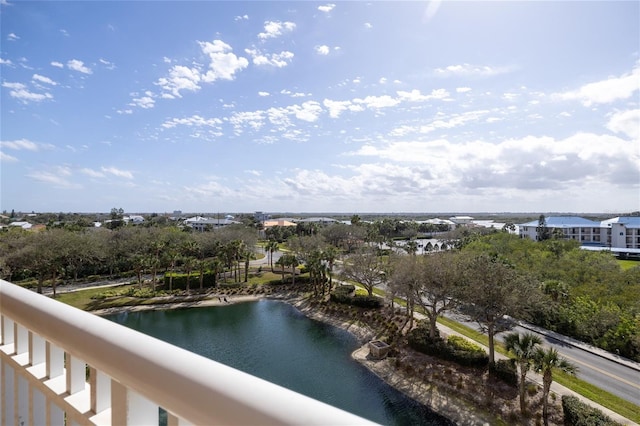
(210, 221)
(277, 222)
(318, 219)
(564, 222)
(628, 221)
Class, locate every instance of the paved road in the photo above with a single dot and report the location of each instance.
(609, 372)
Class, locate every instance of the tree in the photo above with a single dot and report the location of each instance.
(411, 247)
(439, 288)
(330, 255)
(405, 277)
(271, 247)
(542, 230)
(524, 348)
(545, 361)
(366, 268)
(494, 289)
(291, 260)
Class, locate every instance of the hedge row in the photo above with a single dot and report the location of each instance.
(453, 349)
(180, 280)
(577, 413)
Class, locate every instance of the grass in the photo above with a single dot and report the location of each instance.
(83, 299)
(623, 407)
(628, 264)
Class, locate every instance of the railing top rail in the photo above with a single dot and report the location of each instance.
(192, 387)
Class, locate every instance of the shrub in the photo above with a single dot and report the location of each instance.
(455, 349)
(505, 370)
(577, 413)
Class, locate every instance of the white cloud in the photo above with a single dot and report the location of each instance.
(241, 18)
(223, 63)
(12, 37)
(377, 102)
(471, 70)
(528, 163)
(274, 29)
(605, 91)
(463, 89)
(20, 92)
(92, 173)
(278, 60)
(44, 79)
(416, 96)
(145, 102)
(20, 144)
(263, 94)
(117, 172)
(193, 121)
(337, 107)
(5, 62)
(57, 64)
(432, 9)
(322, 50)
(626, 122)
(109, 65)
(77, 65)
(326, 8)
(64, 32)
(368, 25)
(180, 78)
(253, 119)
(57, 177)
(7, 158)
(308, 111)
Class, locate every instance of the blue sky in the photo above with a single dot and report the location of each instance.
(207, 106)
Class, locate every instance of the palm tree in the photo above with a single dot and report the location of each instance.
(187, 264)
(271, 247)
(523, 347)
(545, 361)
(330, 256)
(215, 266)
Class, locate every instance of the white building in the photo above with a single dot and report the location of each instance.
(617, 233)
(199, 223)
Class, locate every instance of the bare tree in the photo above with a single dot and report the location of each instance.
(366, 268)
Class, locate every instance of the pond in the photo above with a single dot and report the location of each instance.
(276, 342)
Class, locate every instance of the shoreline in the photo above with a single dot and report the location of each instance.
(453, 408)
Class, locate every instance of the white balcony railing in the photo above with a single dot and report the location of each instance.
(60, 365)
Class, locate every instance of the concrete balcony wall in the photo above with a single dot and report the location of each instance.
(60, 365)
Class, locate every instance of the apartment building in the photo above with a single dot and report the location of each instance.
(621, 232)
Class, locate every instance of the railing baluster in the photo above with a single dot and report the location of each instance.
(76, 374)
(22, 339)
(100, 390)
(55, 361)
(37, 349)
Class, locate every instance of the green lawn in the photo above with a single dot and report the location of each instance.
(83, 298)
(628, 264)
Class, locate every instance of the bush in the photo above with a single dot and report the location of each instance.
(342, 294)
(577, 413)
(506, 370)
(455, 349)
